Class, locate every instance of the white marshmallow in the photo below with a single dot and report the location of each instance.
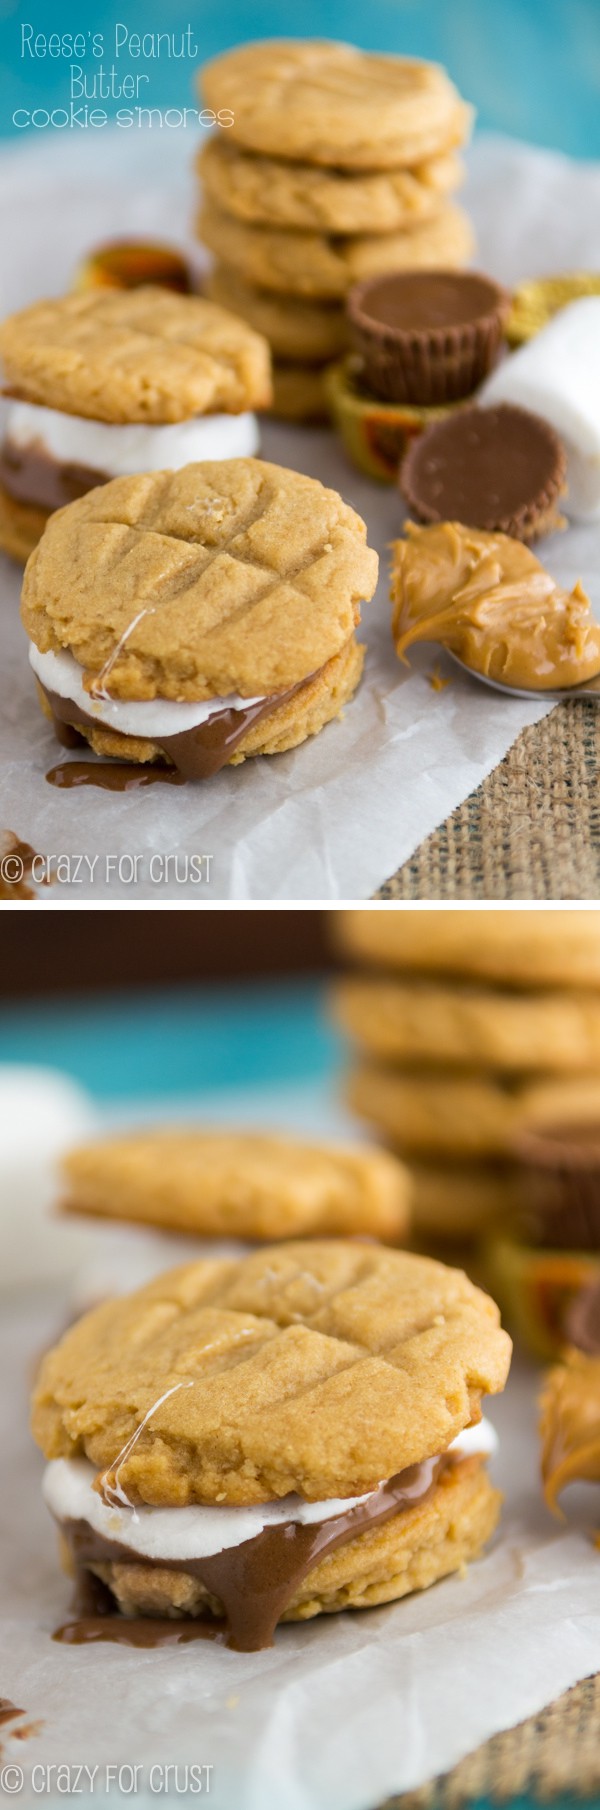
(173, 1533)
(475, 1440)
(42, 1112)
(118, 450)
(199, 1531)
(557, 375)
(161, 717)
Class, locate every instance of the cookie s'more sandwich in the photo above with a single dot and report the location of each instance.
(112, 382)
(195, 617)
(244, 1443)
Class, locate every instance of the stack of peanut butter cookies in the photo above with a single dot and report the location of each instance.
(331, 165)
(470, 1029)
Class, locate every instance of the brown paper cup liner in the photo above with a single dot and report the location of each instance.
(427, 366)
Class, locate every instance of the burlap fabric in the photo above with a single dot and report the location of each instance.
(531, 831)
(553, 1755)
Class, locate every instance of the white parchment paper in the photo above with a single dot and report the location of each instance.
(333, 819)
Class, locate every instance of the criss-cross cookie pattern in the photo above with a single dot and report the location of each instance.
(135, 355)
(322, 1367)
(245, 577)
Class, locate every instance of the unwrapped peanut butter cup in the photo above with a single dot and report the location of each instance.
(133, 263)
(427, 337)
(499, 469)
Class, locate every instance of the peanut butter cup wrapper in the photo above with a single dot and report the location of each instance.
(536, 1291)
(375, 434)
(430, 366)
(535, 303)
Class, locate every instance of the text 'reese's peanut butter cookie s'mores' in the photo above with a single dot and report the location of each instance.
(193, 618)
(268, 1440)
(112, 382)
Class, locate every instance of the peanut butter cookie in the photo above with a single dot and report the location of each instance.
(328, 265)
(239, 1184)
(328, 103)
(523, 949)
(417, 1021)
(318, 1368)
(298, 392)
(177, 578)
(456, 1202)
(301, 331)
(21, 525)
(272, 191)
(136, 355)
(441, 1113)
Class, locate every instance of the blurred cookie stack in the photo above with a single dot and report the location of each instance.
(330, 165)
(472, 1031)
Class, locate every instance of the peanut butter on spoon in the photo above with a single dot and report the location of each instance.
(488, 600)
(570, 1425)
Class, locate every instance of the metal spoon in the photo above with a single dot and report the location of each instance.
(591, 689)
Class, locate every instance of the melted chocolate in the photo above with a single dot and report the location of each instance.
(24, 856)
(111, 776)
(138, 1631)
(31, 475)
(9, 1710)
(254, 1581)
(196, 753)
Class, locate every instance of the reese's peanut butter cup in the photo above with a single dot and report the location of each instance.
(427, 336)
(560, 1175)
(500, 469)
(132, 263)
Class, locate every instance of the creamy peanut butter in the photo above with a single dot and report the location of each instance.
(487, 599)
(570, 1426)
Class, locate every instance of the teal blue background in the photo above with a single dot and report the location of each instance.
(139, 1045)
(532, 67)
